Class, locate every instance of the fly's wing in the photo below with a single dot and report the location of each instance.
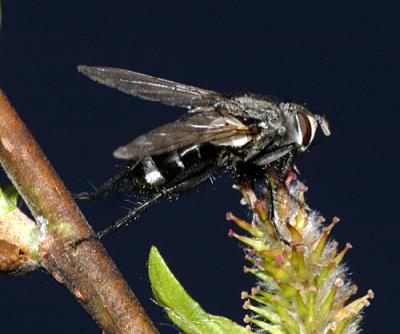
(152, 88)
(198, 128)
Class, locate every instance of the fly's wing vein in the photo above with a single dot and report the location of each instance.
(194, 129)
(151, 88)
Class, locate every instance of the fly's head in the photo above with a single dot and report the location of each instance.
(301, 125)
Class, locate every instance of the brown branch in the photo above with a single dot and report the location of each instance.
(18, 247)
(86, 271)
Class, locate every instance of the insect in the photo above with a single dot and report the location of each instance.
(245, 135)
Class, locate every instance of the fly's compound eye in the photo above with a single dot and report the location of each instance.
(306, 126)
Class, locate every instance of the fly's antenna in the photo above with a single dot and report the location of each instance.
(323, 123)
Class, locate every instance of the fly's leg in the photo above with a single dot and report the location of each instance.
(188, 183)
(278, 234)
(286, 166)
(106, 187)
(101, 191)
(184, 185)
(275, 156)
(248, 181)
(132, 214)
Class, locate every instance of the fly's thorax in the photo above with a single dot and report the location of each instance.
(262, 116)
(257, 109)
(272, 132)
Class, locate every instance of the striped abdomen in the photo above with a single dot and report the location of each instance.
(153, 173)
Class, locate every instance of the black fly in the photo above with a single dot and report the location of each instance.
(243, 134)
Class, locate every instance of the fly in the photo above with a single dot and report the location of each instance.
(245, 135)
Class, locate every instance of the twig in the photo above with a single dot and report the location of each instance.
(86, 271)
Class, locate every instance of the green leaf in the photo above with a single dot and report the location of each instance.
(186, 313)
(8, 199)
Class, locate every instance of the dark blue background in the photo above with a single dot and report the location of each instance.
(340, 60)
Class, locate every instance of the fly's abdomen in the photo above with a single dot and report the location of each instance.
(155, 172)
